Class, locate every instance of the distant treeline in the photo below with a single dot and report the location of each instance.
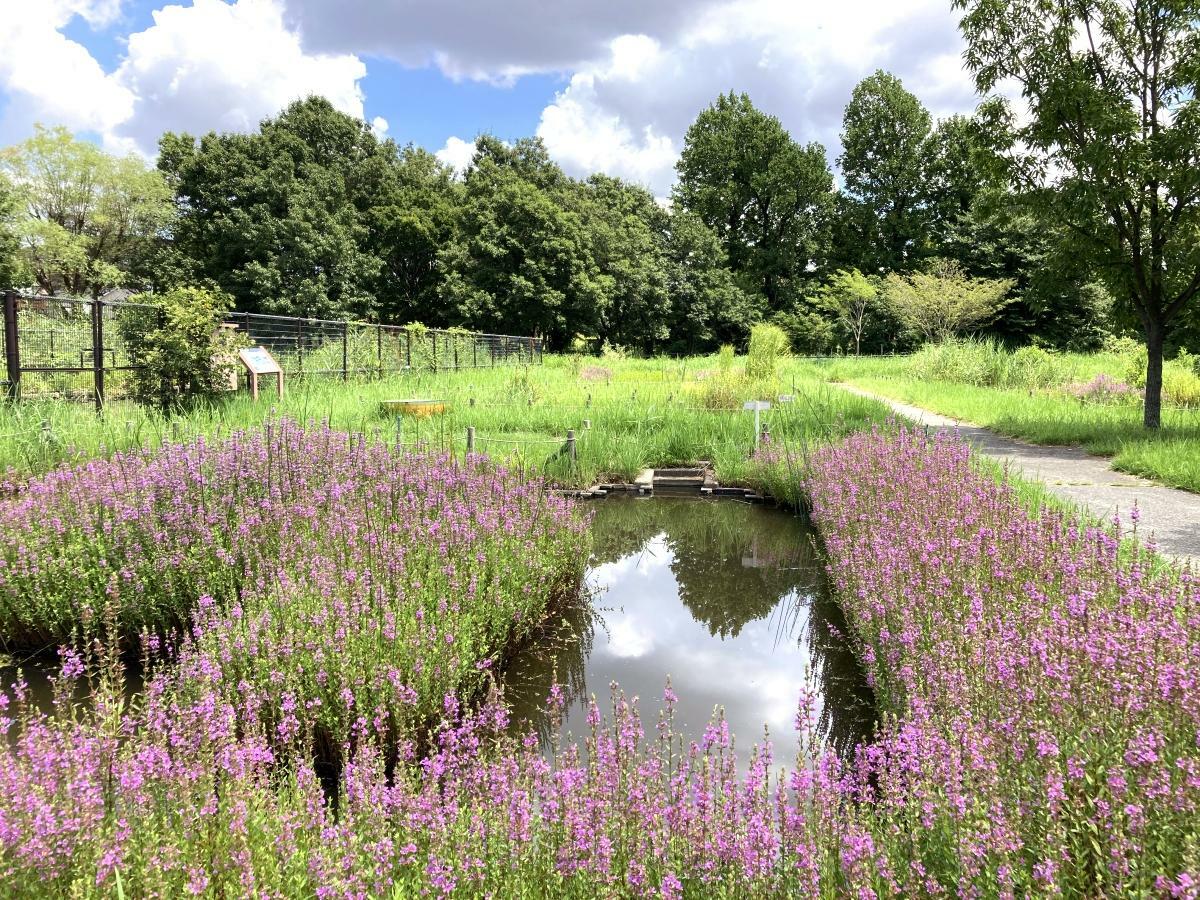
(314, 215)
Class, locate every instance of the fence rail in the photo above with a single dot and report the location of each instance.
(68, 347)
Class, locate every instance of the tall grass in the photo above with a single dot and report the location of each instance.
(637, 413)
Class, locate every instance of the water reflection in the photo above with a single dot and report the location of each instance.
(727, 599)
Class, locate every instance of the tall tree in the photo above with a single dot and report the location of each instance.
(521, 261)
(84, 216)
(884, 133)
(955, 172)
(627, 236)
(278, 218)
(1110, 147)
(767, 198)
(12, 272)
(707, 307)
(411, 219)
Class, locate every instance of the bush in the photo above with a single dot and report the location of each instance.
(985, 363)
(768, 345)
(176, 341)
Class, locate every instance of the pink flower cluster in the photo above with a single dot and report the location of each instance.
(1040, 676)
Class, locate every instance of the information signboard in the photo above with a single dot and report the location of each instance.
(258, 361)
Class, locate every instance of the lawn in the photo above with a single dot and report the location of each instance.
(1046, 410)
(627, 415)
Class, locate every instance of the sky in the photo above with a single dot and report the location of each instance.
(609, 85)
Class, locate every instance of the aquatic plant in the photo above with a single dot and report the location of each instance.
(308, 558)
(1041, 682)
(1041, 718)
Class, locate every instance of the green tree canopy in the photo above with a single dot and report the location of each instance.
(944, 302)
(706, 307)
(849, 297)
(521, 261)
(884, 134)
(83, 216)
(413, 216)
(767, 198)
(627, 236)
(13, 272)
(1110, 147)
(279, 218)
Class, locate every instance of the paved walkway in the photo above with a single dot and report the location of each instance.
(1170, 516)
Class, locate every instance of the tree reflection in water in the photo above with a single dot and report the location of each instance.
(751, 576)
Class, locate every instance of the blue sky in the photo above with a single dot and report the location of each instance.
(608, 86)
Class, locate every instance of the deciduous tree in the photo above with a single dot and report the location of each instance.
(768, 198)
(83, 216)
(1110, 147)
(884, 134)
(944, 302)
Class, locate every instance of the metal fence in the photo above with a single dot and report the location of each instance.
(73, 348)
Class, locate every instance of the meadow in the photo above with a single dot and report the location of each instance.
(1074, 399)
(320, 598)
(628, 414)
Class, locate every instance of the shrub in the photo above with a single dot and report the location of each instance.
(944, 302)
(768, 345)
(176, 341)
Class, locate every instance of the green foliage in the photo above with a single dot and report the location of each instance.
(768, 346)
(705, 307)
(522, 262)
(849, 297)
(13, 272)
(1109, 147)
(944, 302)
(985, 363)
(84, 217)
(279, 218)
(177, 339)
(725, 359)
(767, 198)
(884, 131)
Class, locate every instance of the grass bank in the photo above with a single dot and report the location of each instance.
(1055, 399)
(627, 414)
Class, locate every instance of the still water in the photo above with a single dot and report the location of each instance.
(726, 598)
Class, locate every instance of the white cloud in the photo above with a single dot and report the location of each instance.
(457, 153)
(483, 39)
(52, 79)
(627, 114)
(211, 65)
(379, 126)
(215, 65)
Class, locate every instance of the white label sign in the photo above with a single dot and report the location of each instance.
(756, 405)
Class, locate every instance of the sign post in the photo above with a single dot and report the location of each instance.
(758, 406)
(260, 362)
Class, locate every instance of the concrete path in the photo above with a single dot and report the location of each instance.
(1169, 516)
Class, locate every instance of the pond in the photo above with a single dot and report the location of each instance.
(728, 599)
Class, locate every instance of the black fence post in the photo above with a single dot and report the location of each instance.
(454, 345)
(474, 351)
(379, 348)
(345, 350)
(300, 346)
(433, 336)
(408, 344)
(12, 346)
(98, 352)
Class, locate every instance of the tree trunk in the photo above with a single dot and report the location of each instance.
(1152, 415)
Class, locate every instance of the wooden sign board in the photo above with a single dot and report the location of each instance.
(258, 361)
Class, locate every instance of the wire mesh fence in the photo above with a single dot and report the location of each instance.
(77, 349)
